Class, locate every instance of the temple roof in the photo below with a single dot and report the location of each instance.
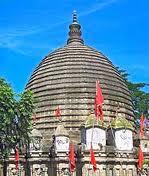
(120, 122)
(92, 122)
(35, 133)
(66, 78)
(61, 131)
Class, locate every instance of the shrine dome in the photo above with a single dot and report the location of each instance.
(66, 78)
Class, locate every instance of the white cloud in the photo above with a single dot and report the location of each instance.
(96, 7)
(13, 39)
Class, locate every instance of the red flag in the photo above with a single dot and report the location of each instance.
(58, 112)
(17, 158)
(99, 99)
(98, 111)
(142, 126)
(72, 161)
(99, 96)
(93, 160)
(34, 117)
(140, 158)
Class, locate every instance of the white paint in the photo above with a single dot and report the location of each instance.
(124, 140)
(62, 144)
(96, 136)
(145, 145)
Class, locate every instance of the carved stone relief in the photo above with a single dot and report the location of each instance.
(39, 170)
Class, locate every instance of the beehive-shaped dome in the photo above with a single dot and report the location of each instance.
(66, 78)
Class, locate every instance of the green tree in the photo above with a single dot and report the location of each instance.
(15, 118)
(139, 97)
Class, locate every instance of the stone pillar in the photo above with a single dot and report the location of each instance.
(39, 170)
(61, 148)
(11, 169)
(62, 163)
(36, 161)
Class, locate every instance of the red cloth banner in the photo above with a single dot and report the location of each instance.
(17, 158)
(140, 158)
(99, 100)
(72, 160)
(58, 112)
(92, 159)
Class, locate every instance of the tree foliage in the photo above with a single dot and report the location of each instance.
(15, 118)
(139, 97)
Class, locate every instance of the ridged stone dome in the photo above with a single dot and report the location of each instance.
(66, 78)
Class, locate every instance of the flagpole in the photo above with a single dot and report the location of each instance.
(91, 141)
(54, 123)
(98, 102)
(92, 131)
(57, 115)
(117, 109)
(93, 125)
(140, 152)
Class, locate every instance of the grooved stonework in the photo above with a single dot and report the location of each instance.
(66, 78)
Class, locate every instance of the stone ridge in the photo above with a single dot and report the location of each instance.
(66, 78)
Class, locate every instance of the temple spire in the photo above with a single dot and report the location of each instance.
(75, 31)
(75, 17)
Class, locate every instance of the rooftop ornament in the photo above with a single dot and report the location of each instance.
(75, 31)
(120, 122)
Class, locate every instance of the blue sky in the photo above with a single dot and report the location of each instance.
(30, 29)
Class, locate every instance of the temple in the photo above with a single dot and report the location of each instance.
(66, 78)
